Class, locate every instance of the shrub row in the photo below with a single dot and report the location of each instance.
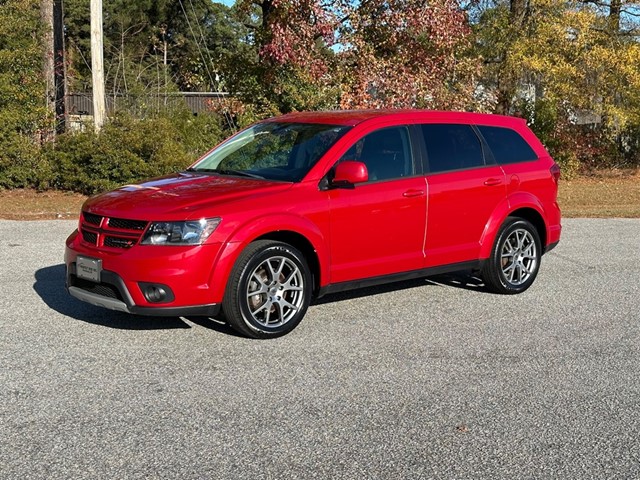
(129, 149)
(126, 150)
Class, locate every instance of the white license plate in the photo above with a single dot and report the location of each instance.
(88, 268)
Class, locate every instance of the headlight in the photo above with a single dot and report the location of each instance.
(192, 232)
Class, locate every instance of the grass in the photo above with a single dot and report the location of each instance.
(610, 193)
(31, 205)
(605, 194)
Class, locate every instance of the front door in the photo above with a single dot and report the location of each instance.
(378, 227)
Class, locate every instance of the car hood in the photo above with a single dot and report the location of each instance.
(182, 196)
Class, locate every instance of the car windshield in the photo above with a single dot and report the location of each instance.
(273, 151)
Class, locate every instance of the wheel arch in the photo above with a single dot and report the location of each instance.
(535, 218)
(294, 230)
(527, 208)
(302, 243)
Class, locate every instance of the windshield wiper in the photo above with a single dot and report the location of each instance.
(225, 171)
(231, 171)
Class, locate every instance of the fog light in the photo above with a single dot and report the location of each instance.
(156, 292)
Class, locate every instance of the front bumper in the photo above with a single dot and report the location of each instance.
(114, 295)
(186, 272)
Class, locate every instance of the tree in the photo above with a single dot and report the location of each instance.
(500, 27)
(285, 61)
(565, 65)
(153, 46)
(24, 119)
(376, 53)
(407, 53)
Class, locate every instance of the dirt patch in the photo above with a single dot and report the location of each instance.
(607, 194)
(32, 205)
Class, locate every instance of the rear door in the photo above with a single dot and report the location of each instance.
(464, 189)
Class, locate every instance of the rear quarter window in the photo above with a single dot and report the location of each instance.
(507, 145)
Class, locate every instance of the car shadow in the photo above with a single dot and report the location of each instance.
(466, 280)
(217, 324)
(49, 285)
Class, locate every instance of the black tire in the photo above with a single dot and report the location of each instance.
(515, 258)
(269, 290)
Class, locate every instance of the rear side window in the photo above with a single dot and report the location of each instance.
(507, 145)
(452, 147)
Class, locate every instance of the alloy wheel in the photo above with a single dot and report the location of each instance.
(519, 257)
(275, 291)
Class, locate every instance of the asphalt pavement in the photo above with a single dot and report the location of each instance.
(432, 378)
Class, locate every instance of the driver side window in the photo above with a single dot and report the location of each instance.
(385, 152)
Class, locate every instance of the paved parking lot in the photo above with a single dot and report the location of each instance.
(426, 379)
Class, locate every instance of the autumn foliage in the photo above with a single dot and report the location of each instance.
(372, 54)
(407, 53)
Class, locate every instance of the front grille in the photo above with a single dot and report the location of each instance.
(110, 232)
(91, 218)
(117, 242)
(89, 237)
(102, 289)
(123, 224)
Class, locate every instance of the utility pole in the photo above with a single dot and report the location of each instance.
(46, 16)
(53, 64)
(97, 67)
(60, 68)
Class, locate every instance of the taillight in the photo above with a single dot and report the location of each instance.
(555, 172)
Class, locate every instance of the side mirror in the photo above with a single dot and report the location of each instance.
(348, 173)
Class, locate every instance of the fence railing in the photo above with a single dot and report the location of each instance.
(198, 102)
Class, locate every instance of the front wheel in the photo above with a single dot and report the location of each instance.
(269, 290)
(515, 258)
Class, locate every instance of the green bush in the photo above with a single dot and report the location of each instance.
(21, 162)
(128, 150)
(24, 120)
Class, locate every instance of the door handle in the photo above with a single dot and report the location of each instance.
(413, 193)
(491, 182)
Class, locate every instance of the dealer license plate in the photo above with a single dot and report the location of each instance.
(88, 268)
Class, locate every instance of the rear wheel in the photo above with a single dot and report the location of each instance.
(515, 258)
(269, 290)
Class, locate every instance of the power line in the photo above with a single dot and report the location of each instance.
(227, 116)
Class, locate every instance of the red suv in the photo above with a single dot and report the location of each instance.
(305, 204)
